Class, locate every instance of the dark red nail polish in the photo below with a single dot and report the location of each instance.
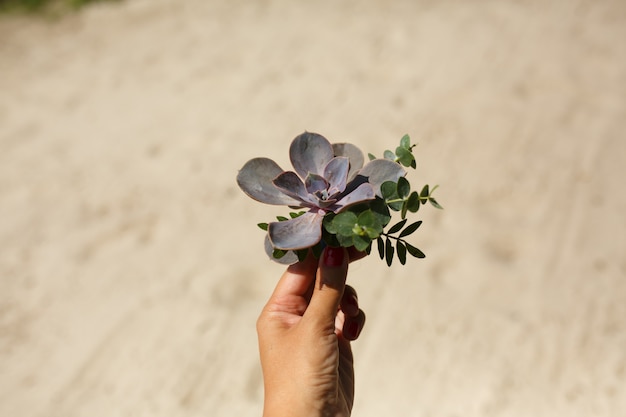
(352, 332)
(351, 307)
(334, 256)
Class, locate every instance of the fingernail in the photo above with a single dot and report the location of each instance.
(334, 256)
(352, 306)
(352, 332)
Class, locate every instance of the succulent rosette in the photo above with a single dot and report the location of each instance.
(326, 181)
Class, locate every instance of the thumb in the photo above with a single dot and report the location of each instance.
(329, 285)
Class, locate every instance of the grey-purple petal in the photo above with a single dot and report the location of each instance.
(379, 171)
(288, 259)
(363, 192)
(336, 173)
(309, 153)
(353, 153)
(299, 233)
(290, 183)
(255, 179)
(315, 183)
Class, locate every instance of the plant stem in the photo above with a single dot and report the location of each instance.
(391, 237)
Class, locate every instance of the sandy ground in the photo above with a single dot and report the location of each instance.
(131, 270)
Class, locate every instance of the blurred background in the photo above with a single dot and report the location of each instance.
(131, 269)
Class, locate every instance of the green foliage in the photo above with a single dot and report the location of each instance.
(279, 253)
(386, 248)
(362, 225)
(398, 197)
(402, 155)
(355, 229)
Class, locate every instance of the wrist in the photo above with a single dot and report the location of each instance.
(291, 408)
(287, 406)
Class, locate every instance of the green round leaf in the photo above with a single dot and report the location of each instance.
(424, 194)
(368, 219)
(279, 253)
(413, 203)
(403, 187)
(361, 242)
(389, 190)
(345, 241)
(405, 142)
(344, 223)
(328, 223)
(404, 156)
(381, 211)
(372, 233)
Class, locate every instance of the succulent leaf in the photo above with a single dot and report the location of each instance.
(290, 184)
(379, 171)
(289, 258)
(363, 192)
(315, 183)
(354, 155)
(336, 173)
(299, 233)
(256, 180)
(309, 153)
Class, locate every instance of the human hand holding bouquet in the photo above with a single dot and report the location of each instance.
(344, 205)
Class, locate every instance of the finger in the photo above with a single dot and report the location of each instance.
(329, 285)
(349, 302)
(352, 326)
(295, 282)
(298, 278)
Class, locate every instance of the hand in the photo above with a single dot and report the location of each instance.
(304, 332)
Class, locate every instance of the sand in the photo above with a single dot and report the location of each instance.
(131, 269)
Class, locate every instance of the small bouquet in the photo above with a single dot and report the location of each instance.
(338, 199)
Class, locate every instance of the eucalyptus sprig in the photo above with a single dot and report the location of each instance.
(349, 204)
(403, 154)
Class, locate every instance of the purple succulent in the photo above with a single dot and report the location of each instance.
(327, 178)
